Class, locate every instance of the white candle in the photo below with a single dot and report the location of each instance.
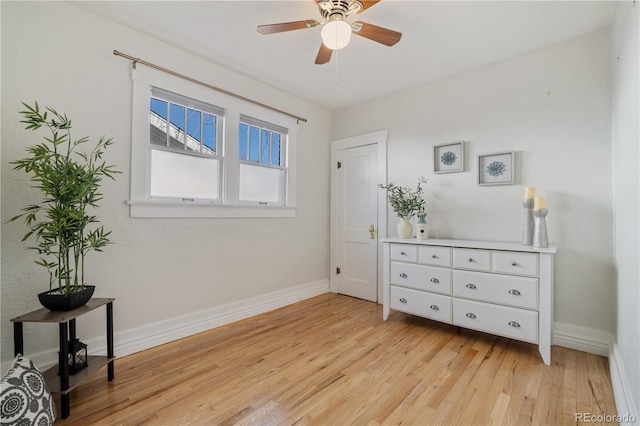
(529, 192)
(539, 203)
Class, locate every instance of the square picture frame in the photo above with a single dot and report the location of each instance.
(497, 168)
(448, 158)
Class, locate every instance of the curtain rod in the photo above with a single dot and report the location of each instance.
(202, 83)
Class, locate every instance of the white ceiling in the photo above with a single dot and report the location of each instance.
(440, 38)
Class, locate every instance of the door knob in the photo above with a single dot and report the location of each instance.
(372, 232)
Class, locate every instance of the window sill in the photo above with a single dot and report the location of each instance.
(165, 209)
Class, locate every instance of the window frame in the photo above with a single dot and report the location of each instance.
(228, 206)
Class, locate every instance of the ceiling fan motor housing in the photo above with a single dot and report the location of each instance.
(332, 10)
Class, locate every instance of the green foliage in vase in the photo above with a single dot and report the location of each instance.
(405, 202)
(62, 223)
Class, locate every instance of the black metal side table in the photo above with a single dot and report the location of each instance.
(62, 383)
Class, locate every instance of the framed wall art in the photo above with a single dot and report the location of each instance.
(448, 158)
(497, 168)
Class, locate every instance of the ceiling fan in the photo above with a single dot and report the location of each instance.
(336, 31)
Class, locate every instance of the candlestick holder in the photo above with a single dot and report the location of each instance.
(527, 229)
(540, 239)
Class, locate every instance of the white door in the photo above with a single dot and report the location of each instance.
(356, 228)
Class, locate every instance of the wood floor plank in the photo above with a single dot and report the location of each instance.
(331, 360)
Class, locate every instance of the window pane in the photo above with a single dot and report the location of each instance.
(176, 129)
(158, 122)
(159, 107)
(265, 147)
(261, 184)
(209, 133)
(180, 175)
(243, 140)
(275, 149)
(193, 123)
(254, 144)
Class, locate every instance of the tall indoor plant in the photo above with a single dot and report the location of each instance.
(406, 203)
(63, 223)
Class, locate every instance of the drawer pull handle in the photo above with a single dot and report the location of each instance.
(434, 280)
(403, 300)
(514, 263)
(471, 315)
(514, 324)
(403, 253)
(471, 286)
(514, 292)
(435, 307)
(471, 259)
(434, 256)
(403, 275)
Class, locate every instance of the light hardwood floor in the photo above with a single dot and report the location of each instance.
(331, 360)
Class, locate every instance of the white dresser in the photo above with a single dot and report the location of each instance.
(499, 288)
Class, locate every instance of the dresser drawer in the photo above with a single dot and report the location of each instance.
(421, 277)
(477, 260)
(404, 252)
(504, 289)
(512, 262)
(436, 256)
(428, 305)
(509, 322)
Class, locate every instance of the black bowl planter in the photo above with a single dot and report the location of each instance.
(66, 302)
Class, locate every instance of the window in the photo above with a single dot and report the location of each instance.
(197, 152)
(260, 152)
(183, 135)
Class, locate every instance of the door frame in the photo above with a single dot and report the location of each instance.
(378, 138)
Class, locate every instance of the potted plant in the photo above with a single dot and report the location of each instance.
(406, 203)
(63, 223)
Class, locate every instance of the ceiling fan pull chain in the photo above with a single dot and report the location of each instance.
(336, 68)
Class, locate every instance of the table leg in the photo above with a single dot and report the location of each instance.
(63, 367)
(110, 354)
(72, 329)
(18, 342)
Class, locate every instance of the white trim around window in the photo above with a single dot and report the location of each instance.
(228, 205)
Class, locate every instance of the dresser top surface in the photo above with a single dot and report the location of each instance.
(490, 245)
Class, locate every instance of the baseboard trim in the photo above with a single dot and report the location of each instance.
(127, 342)
(625, 405)
(582, 339)
(156, 334)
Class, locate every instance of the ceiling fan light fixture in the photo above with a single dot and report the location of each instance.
(336, 34)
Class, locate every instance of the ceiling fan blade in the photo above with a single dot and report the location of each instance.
(381, 35)
(324, 55)
(287, 26)
(366, 4)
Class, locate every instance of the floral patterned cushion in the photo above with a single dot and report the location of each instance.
(25, 399)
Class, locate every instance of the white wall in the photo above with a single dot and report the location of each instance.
(551, 106)
(626, 187)
(160, 269)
